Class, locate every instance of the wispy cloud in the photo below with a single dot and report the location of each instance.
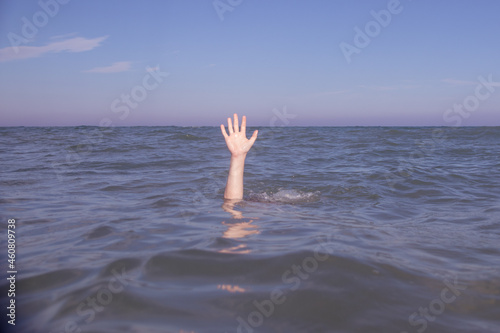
(329, 93)
(472, 83)
(459, 82)
(390, 88)
(121, 66)
(64, 36)
(77, 44)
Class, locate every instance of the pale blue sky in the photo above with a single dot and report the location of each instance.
(280, 62)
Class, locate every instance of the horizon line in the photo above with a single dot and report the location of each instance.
(252, 126)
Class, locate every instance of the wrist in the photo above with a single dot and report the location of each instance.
(237, 164)
(240, 156)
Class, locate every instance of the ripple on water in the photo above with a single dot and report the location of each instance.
(285, 196)
(100, 232)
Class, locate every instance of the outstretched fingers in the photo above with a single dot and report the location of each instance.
(223, 130)
(236, 123)
(236, 129)
(254, 137)
(244, 126)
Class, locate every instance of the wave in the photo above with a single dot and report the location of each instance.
(285, 196)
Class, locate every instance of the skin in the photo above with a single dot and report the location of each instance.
(238, 145)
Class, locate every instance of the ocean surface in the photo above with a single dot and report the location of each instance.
(342, 229)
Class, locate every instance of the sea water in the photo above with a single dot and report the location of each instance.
(342, 229)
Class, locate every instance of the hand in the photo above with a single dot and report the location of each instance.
(237, 141)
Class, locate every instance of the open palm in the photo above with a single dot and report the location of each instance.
(237, 141)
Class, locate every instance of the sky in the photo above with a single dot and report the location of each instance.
(279, 62)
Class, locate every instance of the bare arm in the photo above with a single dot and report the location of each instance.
(238, 145)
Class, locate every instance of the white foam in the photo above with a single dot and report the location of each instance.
(285, 196)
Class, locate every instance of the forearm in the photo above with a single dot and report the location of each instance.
(234, 186)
